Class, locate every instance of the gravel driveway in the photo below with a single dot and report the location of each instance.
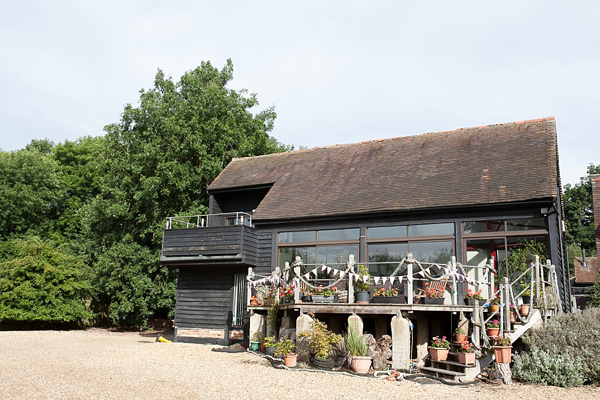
(102, 364)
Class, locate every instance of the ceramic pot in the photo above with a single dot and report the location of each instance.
(466, 358)
(254, 346)
(513, 317)
(494, 307)
(270, 351)
(362, 297)
(290, 360)
(503, 354)
(433, 300)
(360, 365)
(438, 354)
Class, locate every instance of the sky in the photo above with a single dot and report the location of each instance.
(336, 71)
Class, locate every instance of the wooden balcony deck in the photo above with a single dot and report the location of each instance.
(371, 308)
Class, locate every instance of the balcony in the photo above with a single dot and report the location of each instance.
(210, 240)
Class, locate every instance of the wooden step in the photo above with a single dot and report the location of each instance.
(455, 363)
(442, 371)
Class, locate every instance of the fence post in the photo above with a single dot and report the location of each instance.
(506, 291)
(409, 278)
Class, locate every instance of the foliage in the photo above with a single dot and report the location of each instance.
(548, 368)
(325, 292)
(361, 285)
(285, 347)
(520, 259)
(356, 345)
(287, 291)
(474, 296)
(386, 292)
(130, 285)
(43, 283)
(502, 341)
(596, 295)
(440, 343)
(460, 330)
(270, 341)
(493, 324)
(579, 214)
(320, 340)
(272, 317)
(466, 347)
(573, 340)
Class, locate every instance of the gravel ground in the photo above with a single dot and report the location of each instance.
(103, 364)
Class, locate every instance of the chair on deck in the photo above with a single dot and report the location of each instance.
(438, 287)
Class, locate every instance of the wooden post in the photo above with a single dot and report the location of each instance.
(506, 288)
(491, 278)
(409, 278)
(537, 280)
(476, 322)
(454, 287)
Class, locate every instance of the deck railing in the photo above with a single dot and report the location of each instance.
(209, 220)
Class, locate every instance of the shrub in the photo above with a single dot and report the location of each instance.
(356, 345)
(543, 367)
(572, 340)
(320, 340)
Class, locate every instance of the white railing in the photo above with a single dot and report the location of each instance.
(209, 220)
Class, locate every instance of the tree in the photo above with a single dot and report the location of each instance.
(579, 212)
(157, 162)
(42, 282)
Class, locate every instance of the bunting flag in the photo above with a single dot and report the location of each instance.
(316, 272)
(323, 268)
(328, 270)
(335, 271)
(376, 279)
(421, 273)
(342, 273)
(410, 279)
(307, 276)
(384, 279)
(392, 279)
(365, 279)
(356, 277)
(400, 279)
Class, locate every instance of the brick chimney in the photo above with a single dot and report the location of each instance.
(596, 202)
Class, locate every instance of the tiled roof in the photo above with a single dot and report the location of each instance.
(482, 165)
(587, 274)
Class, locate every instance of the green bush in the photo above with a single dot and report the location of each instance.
(40, 282)
(569, 344)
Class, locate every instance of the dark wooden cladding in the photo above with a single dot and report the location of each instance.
(234, 243)
(204, 298)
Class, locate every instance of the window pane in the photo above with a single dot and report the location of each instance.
(483, 226)
(339, 234)
(295, 237)
(526, 224)
(308, 255)
(479, 251)
(431, 229)
(393, 252)
(336, 255)
(387, 232)
(432, 252)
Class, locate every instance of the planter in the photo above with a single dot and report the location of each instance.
(262, 346)
(361, 365)
(386, 300)
(524, 309)
(502, 354)
(306, 298)
(459, 337)
(494, 307)
(513, 317)
(270, 351)
(290, 360)
(438, 354)
(254, 346)
(288, 300)
(362, 297)
(493, 332)
(323, 363)
(466, 358)
(526, 299)
(433, 300)
(322, 299)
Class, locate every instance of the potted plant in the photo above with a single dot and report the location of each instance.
(362, 286)
(433, 296)
(307, 295)
(524, 310)
(527, 296)
(320, 341)
(502, 349)
(287, 293)
(495, 304)
(470, 297)
(513, 314)
(466, 353)
(460, 334)
(285, 348)
(256, 341)
(356, 346)
(493, 328)
(386, 295)
(270, 343)
(324, 295)
(438, 351)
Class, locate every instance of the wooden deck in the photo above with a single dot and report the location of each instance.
(382, 309)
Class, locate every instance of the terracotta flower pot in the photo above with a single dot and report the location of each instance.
(361, 365)
(438, 354)
(503, 354)
(524, 310)
(494, 307)
(459, 337)
(466, 358)
(513, 317)
(491, 332)
(290, 360)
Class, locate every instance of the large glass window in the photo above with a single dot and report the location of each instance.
(526, 224)
(483, 226)
(338, 234)
(383, 232)
(431, 229)
(387, 253)
(297, 237)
